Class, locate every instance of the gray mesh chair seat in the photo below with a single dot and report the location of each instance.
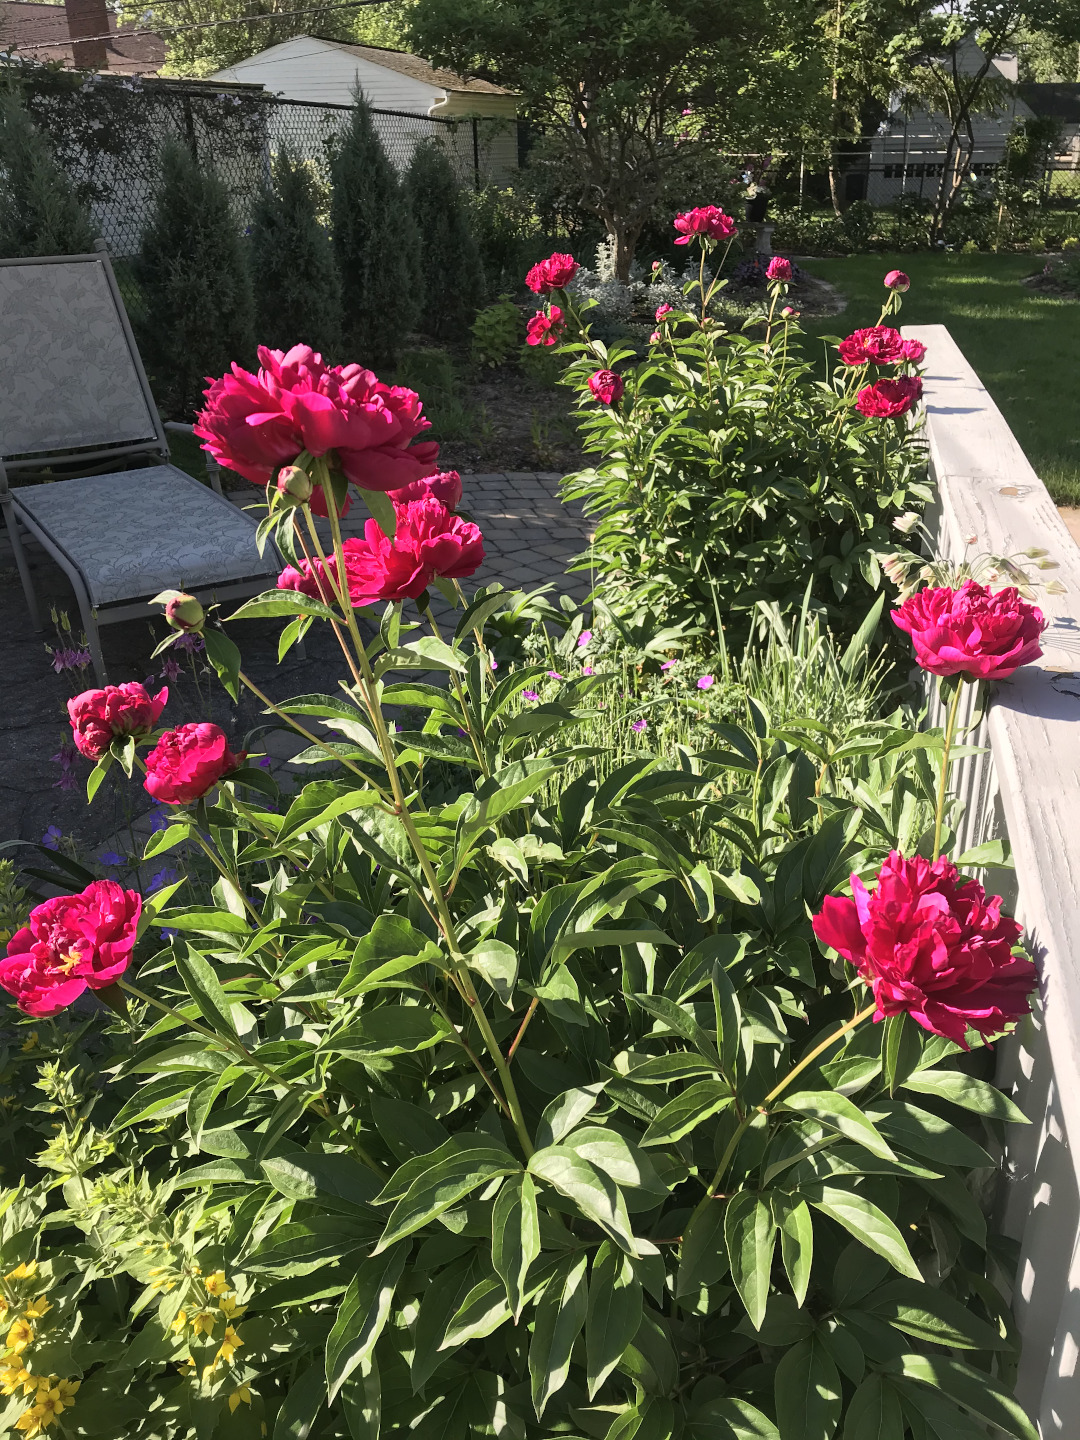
(74, 394)
(125, 531)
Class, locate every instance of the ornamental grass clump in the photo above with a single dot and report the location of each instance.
(729, 474)
(497, 1082)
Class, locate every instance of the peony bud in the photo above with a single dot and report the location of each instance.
(294, 485)
(183, 612)
(897, 280)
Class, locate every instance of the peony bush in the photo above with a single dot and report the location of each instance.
(732, 473)
(494, 1083)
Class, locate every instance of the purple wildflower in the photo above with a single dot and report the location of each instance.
(554, 674)
(529, 695)
(52, 837)
(638, 725)
(191, 642)
(584, 638)
(112, 858)
(705, 682)
(167, 876)
(587, 670)
(170, 670)
(668, 664)
(263, 762)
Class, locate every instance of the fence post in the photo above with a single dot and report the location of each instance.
(476, 152)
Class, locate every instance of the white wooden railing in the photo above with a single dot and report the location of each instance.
(1026, 787)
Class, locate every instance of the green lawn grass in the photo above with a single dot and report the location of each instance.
(1024, 343)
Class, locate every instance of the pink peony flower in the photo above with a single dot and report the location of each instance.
(189, 761)
(71, 943)
(429, 542)
(971, 631)
(654, 337)
(606, 386)
(933, 946)
(897, 280)
(886, 399)
(914, 350)
(554, 273)
(879, 345)
(445, 486)
(545, 329)
(254, 424)
(779, 269)
(707, 221)
(662, 310)
(98, 715)
(313, 578)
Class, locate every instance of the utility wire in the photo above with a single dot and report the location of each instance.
(199, 25)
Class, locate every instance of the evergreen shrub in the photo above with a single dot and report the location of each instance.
(40, 213)
(453, 277)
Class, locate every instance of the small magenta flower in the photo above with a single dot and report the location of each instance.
(668, 664)
(705, 682)
(587, 670)
(529, 695)
(554, 675)
(583, 639)
(638, 725)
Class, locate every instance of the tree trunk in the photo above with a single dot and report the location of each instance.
(626, 238)
(834, 117)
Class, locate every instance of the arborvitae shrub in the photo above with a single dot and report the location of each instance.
(375, 243)
(294, 272)
(40, 213)
(453, 274)
(193, 271)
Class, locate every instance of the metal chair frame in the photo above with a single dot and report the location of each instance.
(153, 447)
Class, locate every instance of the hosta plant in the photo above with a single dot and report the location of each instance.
(484, 1089)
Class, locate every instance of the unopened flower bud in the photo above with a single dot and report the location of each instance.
(294, 485)
(183, 612)
(897, 280)
(906, 523)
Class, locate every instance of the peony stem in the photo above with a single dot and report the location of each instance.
(744, 1124)
(460, 694)
(401, 808)
(950, 734)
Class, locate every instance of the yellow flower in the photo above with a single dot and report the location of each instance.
(179, 1323)
(229, 1345)
(30, 1043)
(37, 1308)
(51, 1404)
(33, 1421)
(19, 1337)
(202, 1322)
(13, 1377)
(4, 1307)
(68, 1389)
(229, 1308)
(216, 1284)
(239, 1397)
(23, 1272)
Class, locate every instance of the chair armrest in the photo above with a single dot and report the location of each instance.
(213, 469)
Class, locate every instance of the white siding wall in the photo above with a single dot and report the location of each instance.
(309, 69)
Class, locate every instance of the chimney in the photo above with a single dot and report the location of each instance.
(88, 17)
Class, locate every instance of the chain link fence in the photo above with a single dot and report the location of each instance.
(108, 133)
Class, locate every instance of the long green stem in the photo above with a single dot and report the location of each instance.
(249, 684)
(226, 874)
(775, 1093)
(446, 921)
(460, 694)
(950, 734)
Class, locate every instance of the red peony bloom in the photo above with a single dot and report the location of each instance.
(707, 221)
(880, 345)
(779, 268)
(886, 399)
(914, 350)
(446, 487)
(312, 578)
(554, 273)
(189, 761)
(927, 943)
(545, 329)
(71, 943)
(606, 386)
(662, 310)
(98, 715)
(429, 542)
(897, 280)
(971, 631)
(254, 424)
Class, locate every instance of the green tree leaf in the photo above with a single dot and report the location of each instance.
(301, 1405)
(869, 1225)
(391, 1030)
(808, 1393)
(874, 1412)
(515, 1237)
(204, 988)
(750, 1235)
(361, 1401)
(560, 1315)
(929, 1314)
(839, 1113)
(614, 1313)
(361, 1317)
(726, 1418)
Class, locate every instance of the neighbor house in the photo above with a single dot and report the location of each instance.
(908, 154)
(331, 72)
(81, 35)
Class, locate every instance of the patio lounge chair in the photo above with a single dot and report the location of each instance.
(74, 397)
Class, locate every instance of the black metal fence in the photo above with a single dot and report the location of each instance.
(108, 133)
